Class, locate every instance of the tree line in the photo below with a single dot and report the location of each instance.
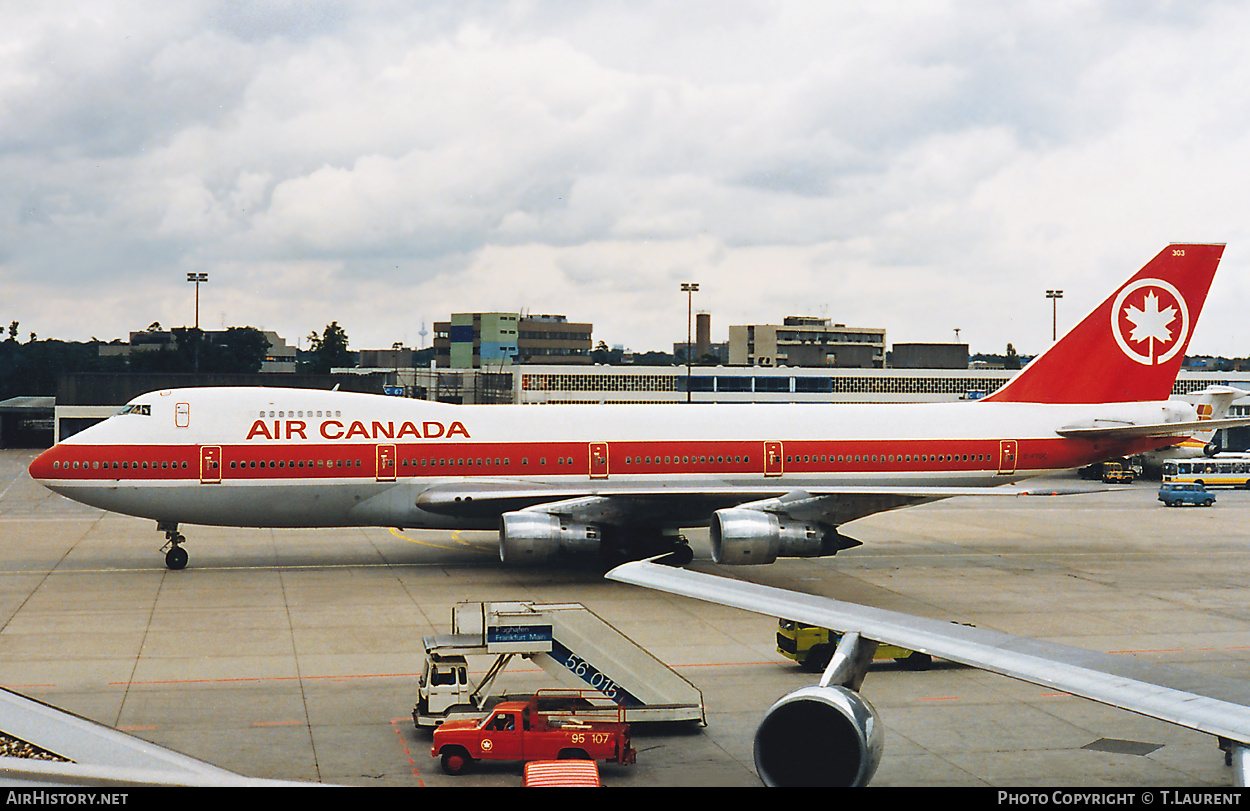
(34, 367)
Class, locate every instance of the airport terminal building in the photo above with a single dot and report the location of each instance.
(533, 384)
(735, 384)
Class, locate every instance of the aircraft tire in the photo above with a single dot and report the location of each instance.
(176, 558)
(680, 556)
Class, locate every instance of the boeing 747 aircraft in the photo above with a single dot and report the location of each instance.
(622, 481)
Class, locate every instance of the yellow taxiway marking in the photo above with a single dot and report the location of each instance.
(455, 536)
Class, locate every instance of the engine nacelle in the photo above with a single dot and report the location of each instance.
(819, 736)
(527, 538)
(744, 536)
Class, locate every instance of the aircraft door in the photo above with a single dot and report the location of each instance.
(386, 463)
(598, 460)
(210, 464)
(773, 464)
(1007, 456)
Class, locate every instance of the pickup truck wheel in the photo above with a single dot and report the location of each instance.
(573, 754)
(456, 761)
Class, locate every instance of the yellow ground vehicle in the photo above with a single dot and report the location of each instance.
(812, 647)
(1117, 473)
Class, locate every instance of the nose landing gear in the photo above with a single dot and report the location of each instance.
(175, 556)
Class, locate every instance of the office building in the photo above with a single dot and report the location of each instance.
(807, 341)
(495, 340)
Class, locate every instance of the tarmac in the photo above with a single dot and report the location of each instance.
(294, 654)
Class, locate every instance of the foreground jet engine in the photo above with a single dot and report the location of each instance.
(819, 736)
(826, 735)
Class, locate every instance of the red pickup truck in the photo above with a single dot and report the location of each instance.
(531, 730)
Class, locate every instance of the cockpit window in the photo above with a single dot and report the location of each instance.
(144, 410)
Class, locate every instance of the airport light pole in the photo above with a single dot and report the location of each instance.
(1054, 296)
(689, 288)
(197, 279)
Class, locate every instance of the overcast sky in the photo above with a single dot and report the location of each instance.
(918, 166)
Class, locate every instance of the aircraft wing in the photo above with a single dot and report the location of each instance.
(1104, 429)
(1209, 704)
(80, 752)
(606, 501)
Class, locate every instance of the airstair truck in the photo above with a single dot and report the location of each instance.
(568, 641)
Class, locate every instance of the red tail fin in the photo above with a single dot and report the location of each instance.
(1132, 345)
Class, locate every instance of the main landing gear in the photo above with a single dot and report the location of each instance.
(680, 556)
(175, 555)
(643, 544)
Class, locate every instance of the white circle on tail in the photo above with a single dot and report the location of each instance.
(1150, 321)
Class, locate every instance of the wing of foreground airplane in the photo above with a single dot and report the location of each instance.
(1219, 707)
(91, 754)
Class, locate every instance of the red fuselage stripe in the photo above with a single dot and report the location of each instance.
(426, 460)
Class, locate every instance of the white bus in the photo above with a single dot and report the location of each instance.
(1222, 470)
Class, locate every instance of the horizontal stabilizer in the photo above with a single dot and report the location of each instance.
(1160, 429)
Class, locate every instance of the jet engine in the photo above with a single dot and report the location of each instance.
(746, 536)
(819, 736)
(529, 537)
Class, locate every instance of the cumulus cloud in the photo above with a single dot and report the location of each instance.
(920, 166)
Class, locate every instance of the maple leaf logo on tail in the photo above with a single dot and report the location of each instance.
(1150, 321)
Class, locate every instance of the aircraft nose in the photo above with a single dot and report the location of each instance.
(41, 468)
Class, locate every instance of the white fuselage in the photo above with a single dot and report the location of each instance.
(269, 457)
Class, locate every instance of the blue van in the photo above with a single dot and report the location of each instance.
(1174, 494)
